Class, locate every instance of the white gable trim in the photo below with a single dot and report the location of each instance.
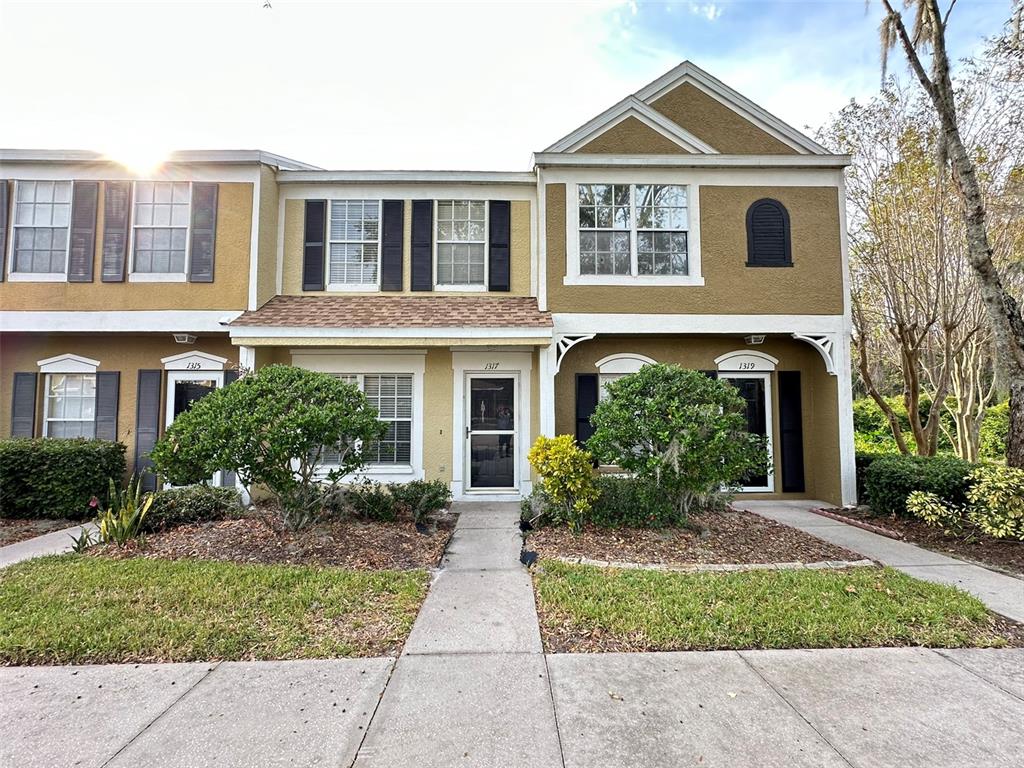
(194, 361)
(632, 107)
(624, 362)
(68, 364)
(688, 72)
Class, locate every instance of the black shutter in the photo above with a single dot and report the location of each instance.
(82, 253)
(204, 232)
(4, 205)
(108, 385)
(23, 405)
(147, 424)
(228, 478)
(499, 252)
(791, 442)
(711, 374)
(313, 245)
(116, 206)
(586, 402)
(422, 270)
(768, 243)
(392, 227)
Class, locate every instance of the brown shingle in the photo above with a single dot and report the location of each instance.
(398, 312)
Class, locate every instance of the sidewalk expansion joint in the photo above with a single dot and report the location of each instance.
(939, 652)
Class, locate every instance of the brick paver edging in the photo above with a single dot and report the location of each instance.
(857, 523)
(707, 567)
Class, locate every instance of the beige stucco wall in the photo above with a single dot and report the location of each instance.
(438, 392)
(632, 137)
(818, 392)
(812, 286)
(520, 245)
(124, 353)
(266, 259)
(229, 290)
(716, 124)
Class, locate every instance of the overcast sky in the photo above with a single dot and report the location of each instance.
(412, 85)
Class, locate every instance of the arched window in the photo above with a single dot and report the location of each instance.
(768, 235)
(616, 366)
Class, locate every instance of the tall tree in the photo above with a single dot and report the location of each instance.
(927, 35)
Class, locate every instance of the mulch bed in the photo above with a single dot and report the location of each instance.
(716, 537)
(13, 530)
(982, 548)
(349, 544)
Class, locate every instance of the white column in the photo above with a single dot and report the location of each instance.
(247, 359)
(847, 456)
(546, 396)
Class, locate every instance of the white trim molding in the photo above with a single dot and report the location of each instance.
(565, 342)
(825, 344)
(573, 324)
(769, 425)
(625, 109)
(623, 362)
(194, 361)
(117, 321)
(746, 360)
(552, 159)
(68, 364)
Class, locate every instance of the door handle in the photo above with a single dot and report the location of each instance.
(467, 433)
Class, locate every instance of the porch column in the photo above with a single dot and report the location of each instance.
(246, 359)
(546, 396)
(847, 455)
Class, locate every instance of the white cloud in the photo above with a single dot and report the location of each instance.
(710, 11)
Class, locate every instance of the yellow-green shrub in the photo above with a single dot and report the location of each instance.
(996, 499)
(936, 511)
(566, 476)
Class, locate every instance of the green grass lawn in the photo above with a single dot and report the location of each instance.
(76, 609)
(585, 608)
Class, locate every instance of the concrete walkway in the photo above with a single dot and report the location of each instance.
(1001, 593)
(53, 543)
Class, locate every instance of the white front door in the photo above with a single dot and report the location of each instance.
(184, 388)
(492, 431)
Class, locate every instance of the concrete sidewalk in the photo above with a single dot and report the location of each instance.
(53, 543)
(1001, 593)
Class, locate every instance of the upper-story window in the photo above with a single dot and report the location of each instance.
(461, 244)
(42, 212)
(354, 244)
(161, 224)
(633, 229)
(768, 239)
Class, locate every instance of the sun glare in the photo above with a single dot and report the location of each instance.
(141, 159)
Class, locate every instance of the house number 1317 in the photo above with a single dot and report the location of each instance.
(490, 366)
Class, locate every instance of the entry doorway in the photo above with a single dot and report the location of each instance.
(184, 388)
(755, 389)
(491, 427)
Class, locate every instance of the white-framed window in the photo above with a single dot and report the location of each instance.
(392, 395)
(161, 217)
(353, 253)
(69, 409)
(614, 367)
(633, 229)
(40, 229)
(461, 243)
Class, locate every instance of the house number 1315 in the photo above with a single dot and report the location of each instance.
(491, 366)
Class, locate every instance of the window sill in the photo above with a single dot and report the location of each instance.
(353, 287)
(37, 277)
(156, 277)
(461, 288)
(759, 264)
(634, 280)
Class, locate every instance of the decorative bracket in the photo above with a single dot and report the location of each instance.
(565, 342)
(825, 343)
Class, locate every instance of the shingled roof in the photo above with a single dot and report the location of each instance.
(397, 312)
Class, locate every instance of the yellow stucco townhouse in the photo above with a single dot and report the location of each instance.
(476, 310)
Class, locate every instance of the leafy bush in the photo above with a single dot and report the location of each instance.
(936, 512)
(679, 431)
(55, 478)
(566, 477)
(371, 500)
(272, 427)
(994, 430)
(191, 504)
(890, 479)
(421, 497)
(996, 499)
(125, 515)
(629, 502)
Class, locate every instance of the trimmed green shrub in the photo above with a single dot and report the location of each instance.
(371, 500)
(890, 479)
(56, 477)
(191, 504)
(629, 502)
(996, 497)
(421, 497)
(994, 430)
